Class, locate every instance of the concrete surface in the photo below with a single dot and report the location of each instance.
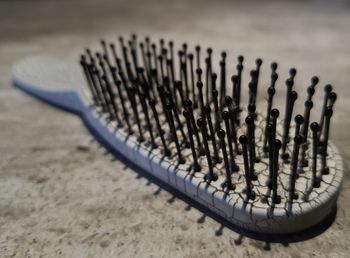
(61, 195)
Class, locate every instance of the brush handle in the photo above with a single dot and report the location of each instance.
(51, 80)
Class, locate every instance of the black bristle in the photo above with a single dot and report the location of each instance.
(327, 90)
(126, 59)
(207, 113)
(271, 134)
(106, 104)
(166, 85)
(169, 97)
(198, 57)
(91, 75)
(114, 51)
(286, 125)
(274, 115)
(169, 112)
(89, 53)
(207, 79)
(184, 48)
(133, 57)
(171, 51)
(96, 76)
(239, 81)
(299, 120)
(134, 40)
(155, 60)
(104, 86)
(253, 86)
(104, 48)
(233, 118)
(185, 78)
(101, 63)
(88, 79)
(199, 74)
(106, 59)
(111, 96)
(209, 71)
(152, 104)
(226, 115)
(252, 113)
(117, 83)
(200, 93)
(171, 82)
(129, 71)
(161, 66)
(193, 86)
(228, 183)
(143, 101)
(154, 78)
(222, 80)
(292, 73)
(148, 45)
(149, 61)
(258, 63)
(162, 99)
(145, 61)
(332, 99)
(132, 92)
(185, 56)
(244, 142)
(211, 176)
(119, 66)
(308, 107)
(165, 54)
(161, 44)
(143, 82)
(328, 114)
(215, 95)
(234, 80)
(180, 54)
(153, 84)
(276, 199)
(293, 176)
(274, 67)
(196, 166)
(270, 92)
(213, 83)
(171, 73)
(178, 87)
(251, 92)
(314, 129)
(250, 123)
(289, 84)
(147, 40)
(188, 106)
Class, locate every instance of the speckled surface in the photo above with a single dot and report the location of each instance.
(60, 194)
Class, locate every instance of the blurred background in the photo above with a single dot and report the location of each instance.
(61, 194)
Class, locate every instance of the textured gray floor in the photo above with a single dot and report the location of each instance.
(63, 195)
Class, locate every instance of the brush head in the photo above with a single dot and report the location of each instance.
(184, 102)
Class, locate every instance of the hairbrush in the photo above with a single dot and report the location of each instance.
(177, 115)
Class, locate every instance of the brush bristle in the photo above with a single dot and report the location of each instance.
(175, 102)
